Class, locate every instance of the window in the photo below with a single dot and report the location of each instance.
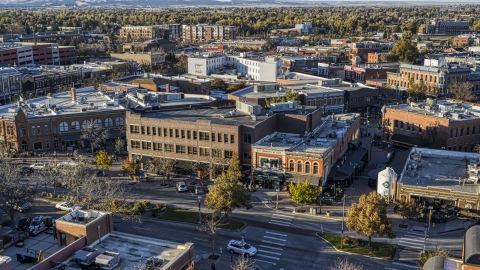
(134, 129)
(135, 144)
(177, 135)
(21, 132)
(456, 132)
(420, 128)
(247, 138)
(183, 133)
(413, 127)
(395, 123)
(451, 133)
(468, 131)
(401, 124)
(119, 121)
(157, 146)
(408, 126)
(219, 136)
(292, 166)
(204, 136)
(148, 130)
(159, 131)
(455, 148)
(63, 126)
(315, 168)
(154, 131)
(75, 125)
(204, 152)
(170, 132)
(169, 148)
(299, 166)
(228, 154)
(47, 144)
(189, 134)
(247, 155)
(307, 167)
(54, 128)
(85, 124)
(97, 123)
(34, 130)
(232, 138)
(146, 145)
(192, 150)
(194, 135)
(461, 132)
(109, 122)
(216, 153)
(473, 130)
(143, 129)
(39, 130)
(213, 137)
(180, 149)
(225, 138)
(165, 134)
(460, 148)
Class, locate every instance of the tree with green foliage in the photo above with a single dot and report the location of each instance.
(112, 42)
(417, 90)
(290, 95)
(104, 160)
(219, 83)
(119, 145)
(131, 168)
(404, 51)
(228, 193)
(368, 217)
(409, 208)
(302, 193)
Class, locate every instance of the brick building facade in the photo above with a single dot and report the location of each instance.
(204, 32)
(184, 84)
(18, 53)
(144, 32)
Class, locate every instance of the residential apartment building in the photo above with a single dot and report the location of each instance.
(10, 84)
(362, 49)
(436, 78)
(307, 63)
(20, 54)
(175, 30)
(40, 81)
(144, 32)
(55, 122)
(148, 58)
(203, 32)
(457, 123)
(200, 135)
(446, 28)
(255, 68)
(282, 157)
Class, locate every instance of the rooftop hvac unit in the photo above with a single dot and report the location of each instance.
(85, 256)
(107, 260)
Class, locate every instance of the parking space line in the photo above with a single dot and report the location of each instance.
(271, 247)
(258, 260)
(269, 237)
(273, 243)
(276, 233)
(270, 257)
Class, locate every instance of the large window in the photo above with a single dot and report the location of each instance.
(204, 152)
(37, 145)
(146, 145)
(232, 138)
(97, 123)
(63, 126)
(169, 148)
(134, 129)
(292, 166)
(157, 146)
(307, 167)
(75, 125)
(109, 122)
(228, 154)
(119, 121)
(204, 136)
(192, 150)
(135, 144)
(46, 129)
(299, 166)
(216, 153)
(247, 138)
(85, 124)
(180, 149)
(315, 168)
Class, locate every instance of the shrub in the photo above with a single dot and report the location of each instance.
(6, 223)
(349, 241)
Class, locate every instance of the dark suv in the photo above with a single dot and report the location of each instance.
(23, 224)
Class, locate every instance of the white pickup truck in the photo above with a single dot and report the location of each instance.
(37, 226)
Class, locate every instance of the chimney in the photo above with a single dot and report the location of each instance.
(74, 94)
(167, 88)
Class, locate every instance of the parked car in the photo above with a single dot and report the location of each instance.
(37, 223)
(26, 171)
(23, 224)
(199, 190)
(182, 187)
(39, 166)
(66, 206)
(235, 246)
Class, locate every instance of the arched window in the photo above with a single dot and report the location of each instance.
(75, 125)
(97, 123)
(119, 121)
(315, 168)
(292, 166)
(108, 122)
(85, 124)
(299, 166)
(63, 126)
(307, 167)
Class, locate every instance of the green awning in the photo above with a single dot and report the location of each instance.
(264, 176)
(264, 160)
(274, 161)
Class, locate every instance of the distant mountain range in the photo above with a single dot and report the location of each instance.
(214, 3)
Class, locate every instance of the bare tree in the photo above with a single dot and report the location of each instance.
(119, 145)
(345, 264)
(15, 190)
(163, 165)
(93, 136)
(244, 263)
(462, 91)
(209, 228)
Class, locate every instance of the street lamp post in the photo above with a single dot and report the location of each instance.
(199, 211)
(277, 188)
(343, 220)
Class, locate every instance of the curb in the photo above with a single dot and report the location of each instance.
(354, 253)
(452, 230)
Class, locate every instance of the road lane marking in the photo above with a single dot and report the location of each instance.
(273, 243)
(258, 260)
(311, 223)
(406, 265)
(271, 247)
(200, 239)
(278, 223)
(270, 257)
(269, 237)
(412, 239)
(270, 252)
(276, 233)
(289, 219)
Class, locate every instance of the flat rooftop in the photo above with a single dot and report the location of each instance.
(324, 137)
(308, 89)
(87, 100)
(134, 250)
(81, 216)
(455, 111)
(441, 169)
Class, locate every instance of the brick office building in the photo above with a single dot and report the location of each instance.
(204, 32)
(198, 135)
(144, 32)
(362, 49)
(356, 72)
(22, 53)
(457, 123)
(37, 82)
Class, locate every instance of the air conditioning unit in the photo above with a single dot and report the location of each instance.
(85, 256)
(107, 260)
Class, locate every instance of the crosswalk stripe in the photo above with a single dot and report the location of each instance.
(413, 234)
(279, 223)
(271, 247)
(413, 239)
(270, 257)
(276, 233)
(269, 237)
(270, 252)
(411, 245)
(258, 260)
(273, 243)
(287, 219)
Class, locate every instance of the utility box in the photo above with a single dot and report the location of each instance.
(313, 210)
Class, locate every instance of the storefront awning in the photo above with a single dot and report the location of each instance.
(70, 137)
(314, 180)
(267, 176)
